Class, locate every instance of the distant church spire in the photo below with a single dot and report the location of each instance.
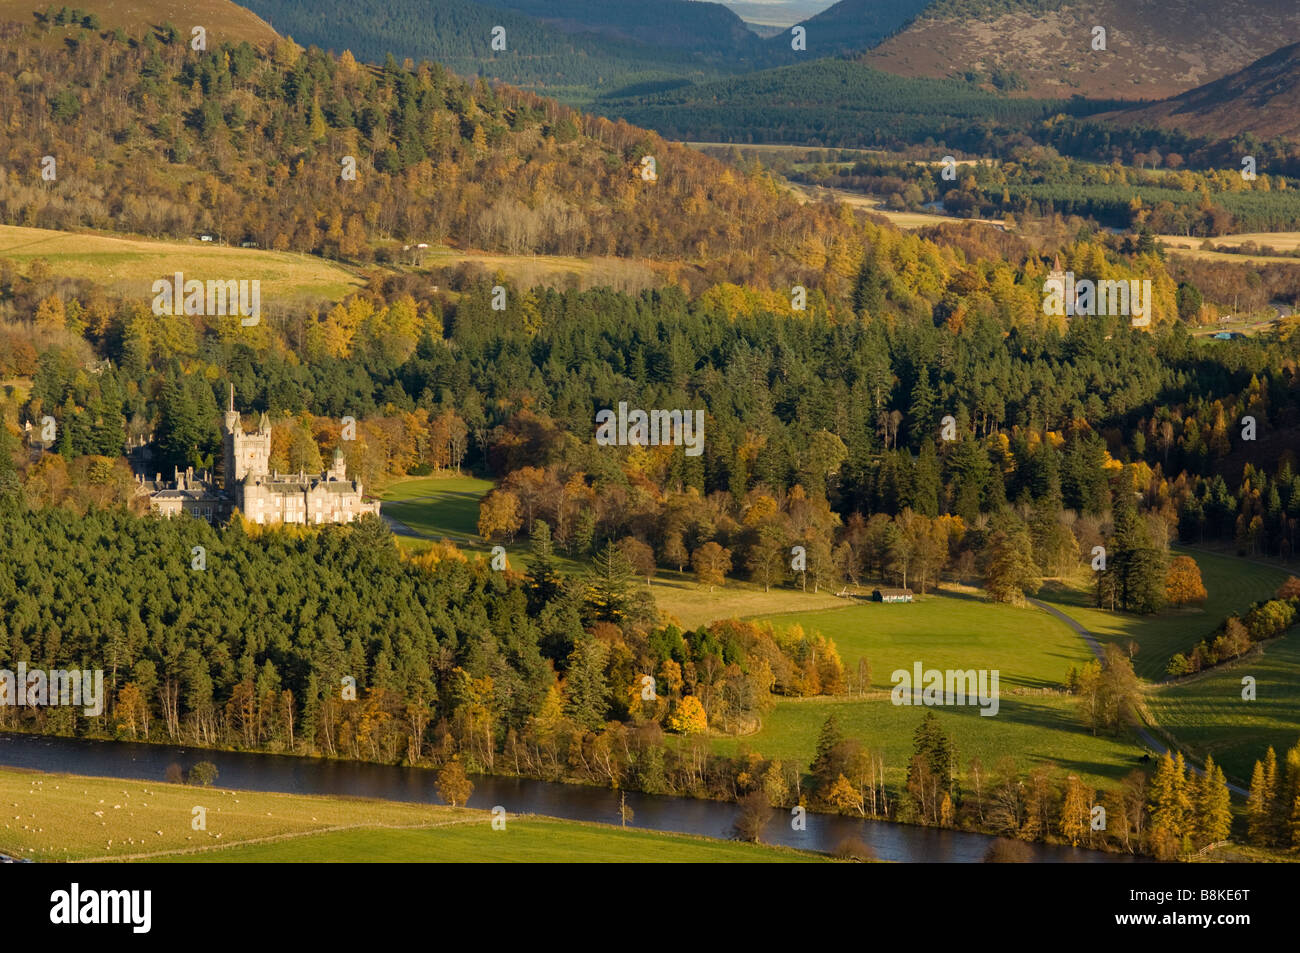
(232, 397)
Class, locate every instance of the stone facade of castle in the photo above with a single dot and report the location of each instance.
(250, 487)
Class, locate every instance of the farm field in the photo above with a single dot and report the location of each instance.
(61, 817)
(129, 266)
(1207, 714)
(860, 200)
(1028, 728)
(1232, 585)
(1030, 648)
(1190, 247)
(525, 840)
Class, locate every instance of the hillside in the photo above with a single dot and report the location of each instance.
(835, 102)
(692, 25)
(254, 149)
(224, 21)
(852, 26)
(1263, 99)
(1155, 48)
(607, 54)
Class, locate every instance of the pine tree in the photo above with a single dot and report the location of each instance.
(1168, 800)
(1293, 825)
(1076, 811)
(1273, 807)
(824, 767)
(1213, 806)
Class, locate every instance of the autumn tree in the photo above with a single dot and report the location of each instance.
(498, 515)
(711, 563)
(1183, 583)
(454, 786)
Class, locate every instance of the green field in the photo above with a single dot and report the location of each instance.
(438, 507)
(61, 817)
(1207, 714)
(1031, 650)
(1232, 584)
(1028, 728)
(525, 840)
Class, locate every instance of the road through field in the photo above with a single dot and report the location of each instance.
(1145, 736)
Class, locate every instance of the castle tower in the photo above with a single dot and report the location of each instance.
(232, 415)
(245, 454)
(339, 468)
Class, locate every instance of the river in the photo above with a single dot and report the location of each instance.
(292, 775)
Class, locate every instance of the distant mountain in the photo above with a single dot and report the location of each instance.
(853, 25)
(672, 24)
(551, 57)
(1262, 99)
(1154, 48)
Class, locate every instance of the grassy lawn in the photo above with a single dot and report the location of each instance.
(1232, 584)
(1028, 647)
(1207, 714)
(61, 817)
(438, 506)
(525, 840)
(1028, 728)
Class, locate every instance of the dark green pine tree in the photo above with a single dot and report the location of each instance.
(926, 483)
(934, 747)
(609, 585)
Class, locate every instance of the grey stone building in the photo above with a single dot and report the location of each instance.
(249, 485)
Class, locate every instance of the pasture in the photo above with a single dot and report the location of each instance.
(1232, 585)
(61, 817)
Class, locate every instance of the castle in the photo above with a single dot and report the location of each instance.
(248, 485)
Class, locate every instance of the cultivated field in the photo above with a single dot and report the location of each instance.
(1031, 649)
(1027, 728)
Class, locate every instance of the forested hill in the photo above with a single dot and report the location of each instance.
(672, 24)
(579, 55)
(1154, 48)
(838, 102)
(152, 137)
